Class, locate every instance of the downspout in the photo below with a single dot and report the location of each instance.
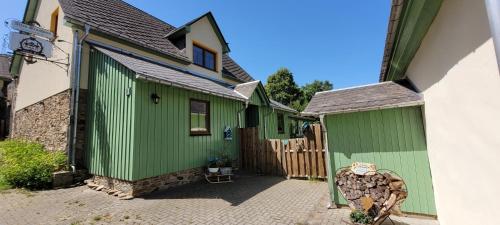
(493, 11)
(239, 113)
(329, 170)
(77, 52)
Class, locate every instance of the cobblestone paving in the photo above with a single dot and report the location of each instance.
(249, 200)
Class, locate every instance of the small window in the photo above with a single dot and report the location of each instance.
(54, 21)
(199, 117)
(204, 57)
(281, 123)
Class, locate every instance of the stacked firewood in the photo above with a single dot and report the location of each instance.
(377, 194)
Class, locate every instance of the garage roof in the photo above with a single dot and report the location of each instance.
(363, 98)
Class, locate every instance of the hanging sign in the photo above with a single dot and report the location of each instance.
(228, 133)
(33, 30)
(31, 45)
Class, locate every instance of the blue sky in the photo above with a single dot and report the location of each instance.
(337, 40)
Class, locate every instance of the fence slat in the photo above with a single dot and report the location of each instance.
(300, 157)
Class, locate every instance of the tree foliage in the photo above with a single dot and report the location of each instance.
(316, 86)
(281, 87)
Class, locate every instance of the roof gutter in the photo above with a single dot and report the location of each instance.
(493, 10)
(161, 81)
(75, 93)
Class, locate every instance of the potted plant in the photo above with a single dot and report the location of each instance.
(212, 166)
(224, 163)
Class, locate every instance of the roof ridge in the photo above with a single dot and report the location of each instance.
(354, 87)
(246, 83)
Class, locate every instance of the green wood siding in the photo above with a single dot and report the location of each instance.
(110, 127)
(130, 138)
(268, 126)
(393, 139)
(162, 139)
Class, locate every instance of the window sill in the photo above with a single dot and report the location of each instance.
(201, 66)
(200, 134)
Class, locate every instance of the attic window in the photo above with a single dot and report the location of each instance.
(204, 57)
(54, 21)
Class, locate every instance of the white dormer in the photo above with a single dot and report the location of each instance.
(203, 43)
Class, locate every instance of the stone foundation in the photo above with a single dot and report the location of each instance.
(151, 184)
(46, 122)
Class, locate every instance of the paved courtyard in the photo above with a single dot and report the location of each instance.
(250, 200)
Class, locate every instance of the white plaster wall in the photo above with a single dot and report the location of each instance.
(456, 70)
(43, 79)
(202, 32)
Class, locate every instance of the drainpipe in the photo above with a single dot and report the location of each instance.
(329, 171)
(77, 53)
(493, 11)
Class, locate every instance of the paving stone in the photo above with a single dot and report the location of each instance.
(249, 200)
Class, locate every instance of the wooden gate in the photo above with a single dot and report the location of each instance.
(298, 157)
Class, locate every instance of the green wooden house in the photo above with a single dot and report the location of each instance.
(146, 104)
(381, 124)
(147, 119)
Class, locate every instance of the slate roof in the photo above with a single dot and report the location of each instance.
(4, 67)
(232, 69)
(280, 106)
(247, 89)
(122, 20)
(370, 97)
(150, 70)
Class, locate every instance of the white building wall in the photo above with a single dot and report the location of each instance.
(44, 79)
(456, 71)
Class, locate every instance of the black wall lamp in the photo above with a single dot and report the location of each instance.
(155, 98)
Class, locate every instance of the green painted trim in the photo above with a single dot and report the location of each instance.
(415, 20)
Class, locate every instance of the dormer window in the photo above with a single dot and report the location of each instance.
(204, 57)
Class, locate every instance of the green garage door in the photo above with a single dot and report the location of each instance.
(393, 139)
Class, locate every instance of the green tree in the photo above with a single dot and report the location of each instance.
(316, 86)
(281, 87)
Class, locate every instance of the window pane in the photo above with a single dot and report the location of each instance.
(197, 55)
(209, 60)
(198, 107)
(199, 116)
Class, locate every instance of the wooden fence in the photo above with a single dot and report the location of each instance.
(298, 157)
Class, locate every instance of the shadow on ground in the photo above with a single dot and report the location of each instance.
(244, 187)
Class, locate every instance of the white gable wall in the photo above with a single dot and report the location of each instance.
(203, 33)
(43, 79)
(456, 71)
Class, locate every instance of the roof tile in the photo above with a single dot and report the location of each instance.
(381, 95)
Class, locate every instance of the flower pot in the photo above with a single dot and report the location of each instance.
(226, 170)
(213, 169)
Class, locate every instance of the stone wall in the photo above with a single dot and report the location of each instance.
(148, 185)
(45, 122)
